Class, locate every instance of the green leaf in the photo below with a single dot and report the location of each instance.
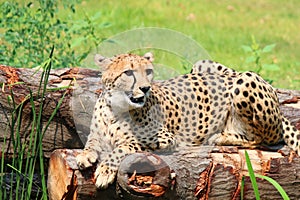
(250, 59)
(96, 16)
(268, 48)
(78, 41)
(247, 48)
(104, 25)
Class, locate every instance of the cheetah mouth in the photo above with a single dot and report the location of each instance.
(140, 101)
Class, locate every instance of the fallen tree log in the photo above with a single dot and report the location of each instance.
(72, 119)
(194, 173)
(70, 126)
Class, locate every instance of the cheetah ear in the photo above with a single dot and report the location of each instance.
(149, 56)
(102, 61)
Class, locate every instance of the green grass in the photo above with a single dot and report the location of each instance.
(26, 170)
(221, 27)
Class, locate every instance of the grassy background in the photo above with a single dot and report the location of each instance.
(221, 27)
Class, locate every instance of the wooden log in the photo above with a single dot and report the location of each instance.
(81, 87)
(70, 126)
(194, 173)
(144, 175)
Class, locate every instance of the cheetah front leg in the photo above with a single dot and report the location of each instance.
(164, 140)
(106, 170)
(90, 154)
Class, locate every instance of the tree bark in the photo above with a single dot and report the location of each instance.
(199, 173)
(70, 126)
(194, 173)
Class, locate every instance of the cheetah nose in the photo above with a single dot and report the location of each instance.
(145, 89)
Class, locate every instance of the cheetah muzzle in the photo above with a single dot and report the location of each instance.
(139, 101)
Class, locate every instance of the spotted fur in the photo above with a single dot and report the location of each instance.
(211, 105)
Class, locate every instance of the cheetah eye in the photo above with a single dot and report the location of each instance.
(128, 72)
(149, 71)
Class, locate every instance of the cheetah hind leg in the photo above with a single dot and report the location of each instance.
(291, 135)
(236, 132)
(232, 139)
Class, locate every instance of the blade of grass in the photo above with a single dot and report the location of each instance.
(30, 153)
(41, 154)
(242, 187)
(29, 168)
(276, 185)
(37, 150)
(37, 130)
(22, 177)
(19, 151)
(20, 172)
(12, 102)
(2, 171)
(252, 176)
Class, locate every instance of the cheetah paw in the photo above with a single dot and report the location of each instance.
(86, 159)
(104, 176)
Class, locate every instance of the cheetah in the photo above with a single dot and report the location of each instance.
(211, 105)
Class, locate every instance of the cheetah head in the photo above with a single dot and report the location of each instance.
(128, 78)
